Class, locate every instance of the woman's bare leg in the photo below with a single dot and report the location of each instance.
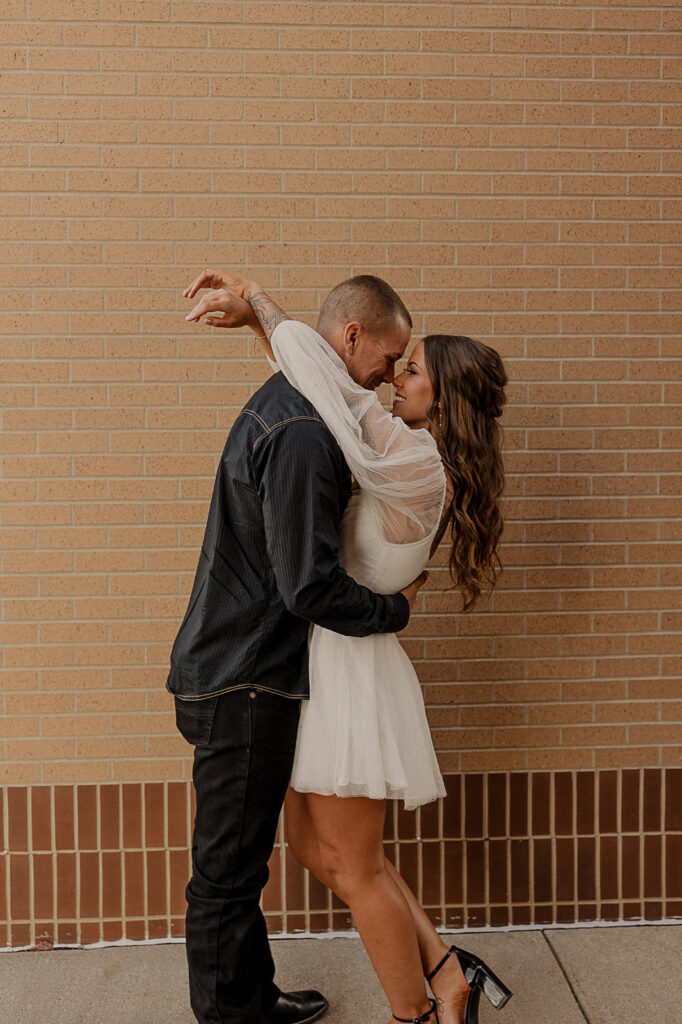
(449, 987)
(348, 848)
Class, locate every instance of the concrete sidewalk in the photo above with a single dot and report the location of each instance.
(626, 975)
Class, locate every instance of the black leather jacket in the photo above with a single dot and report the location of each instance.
(269, 561)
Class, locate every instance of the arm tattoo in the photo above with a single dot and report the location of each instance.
(267, 311)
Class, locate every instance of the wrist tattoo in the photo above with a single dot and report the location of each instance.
(267, 311)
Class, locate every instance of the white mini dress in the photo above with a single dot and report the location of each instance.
(364, 730)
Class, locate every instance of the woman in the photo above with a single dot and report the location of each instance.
(363, 738)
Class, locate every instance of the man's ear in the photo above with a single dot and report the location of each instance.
(352, 335)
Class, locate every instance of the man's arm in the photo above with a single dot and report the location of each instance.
(299, 469)
(267, 311)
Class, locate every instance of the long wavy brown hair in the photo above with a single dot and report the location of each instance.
(468, 380)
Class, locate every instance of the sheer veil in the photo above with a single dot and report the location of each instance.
(400, 467)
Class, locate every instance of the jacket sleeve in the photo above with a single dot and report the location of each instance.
(299, 472)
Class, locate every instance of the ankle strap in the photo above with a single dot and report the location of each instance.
(434, 972)
(419, 1020)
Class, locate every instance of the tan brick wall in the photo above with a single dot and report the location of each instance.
(513, 169)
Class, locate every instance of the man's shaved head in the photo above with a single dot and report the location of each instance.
(366, 299)
(368, 326)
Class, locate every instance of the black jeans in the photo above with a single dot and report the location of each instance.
(245, 742)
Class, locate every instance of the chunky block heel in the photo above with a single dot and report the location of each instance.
(479, 978)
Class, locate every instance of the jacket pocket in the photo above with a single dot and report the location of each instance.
(194, 719)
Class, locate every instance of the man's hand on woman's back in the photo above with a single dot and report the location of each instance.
(410, 592)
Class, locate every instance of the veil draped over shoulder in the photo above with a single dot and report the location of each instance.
(399, 466)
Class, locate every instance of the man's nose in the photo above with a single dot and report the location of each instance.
(390, 374)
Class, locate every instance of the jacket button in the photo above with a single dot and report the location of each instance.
(252, 694)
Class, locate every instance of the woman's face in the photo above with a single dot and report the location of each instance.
(412, 390)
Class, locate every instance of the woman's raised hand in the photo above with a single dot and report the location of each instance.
(219, 279)
(236, 311)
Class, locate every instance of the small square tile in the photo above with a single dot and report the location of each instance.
(565, 913)
(521, 916)
(20, 933)
(319, 923)
(112, 931)
(91, 932)
(135, 930)
(543, 913)
(499, 917)
(610, 911)
(158, 928)
(587, 912)
(67, 933)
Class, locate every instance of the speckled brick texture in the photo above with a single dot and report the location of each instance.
(513, 170)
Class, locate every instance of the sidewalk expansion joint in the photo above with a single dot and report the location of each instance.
(566, 977)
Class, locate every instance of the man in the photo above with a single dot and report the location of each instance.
(268, 568)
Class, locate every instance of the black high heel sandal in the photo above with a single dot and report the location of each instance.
(424, 1017)
(480, 978)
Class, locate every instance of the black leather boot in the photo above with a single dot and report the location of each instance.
(296, 1008)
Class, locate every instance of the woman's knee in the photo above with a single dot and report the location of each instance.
(349, 875)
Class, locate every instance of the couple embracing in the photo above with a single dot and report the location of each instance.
(287, 674)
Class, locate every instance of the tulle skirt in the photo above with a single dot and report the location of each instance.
(364, 730)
